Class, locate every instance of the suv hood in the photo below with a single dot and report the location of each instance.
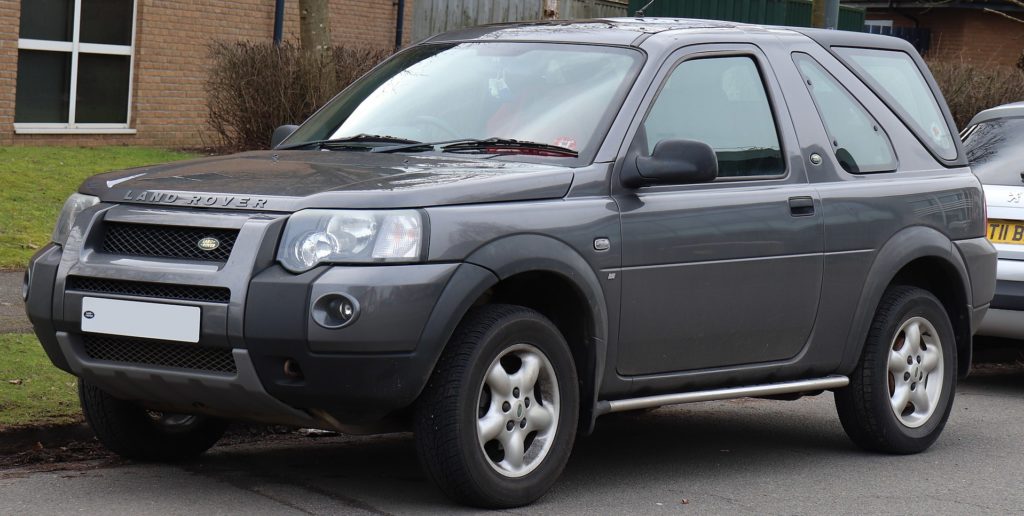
(294, 180)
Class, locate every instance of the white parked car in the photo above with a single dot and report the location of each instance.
(994, 141)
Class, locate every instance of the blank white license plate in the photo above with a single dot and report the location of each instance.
(143, 320)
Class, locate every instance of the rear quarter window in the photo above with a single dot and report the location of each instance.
(859, 143)
(895, 77)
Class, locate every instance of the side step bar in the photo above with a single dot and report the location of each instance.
(771, 389)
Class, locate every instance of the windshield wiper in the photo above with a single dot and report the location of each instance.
(421, 146)
(359, 141)
(487, 146)
(503, 145)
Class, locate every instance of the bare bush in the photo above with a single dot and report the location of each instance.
(971, 88)
(255, 87)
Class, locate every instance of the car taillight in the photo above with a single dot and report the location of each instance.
(984, 207)
(984, 213)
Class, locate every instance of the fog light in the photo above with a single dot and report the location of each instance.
(292, 369)
(335, 310)
(24, 284)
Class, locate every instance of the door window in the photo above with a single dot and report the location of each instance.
(857, 139)
(720, 101)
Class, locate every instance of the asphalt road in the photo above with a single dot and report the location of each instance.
(740, 456)
(12, 311)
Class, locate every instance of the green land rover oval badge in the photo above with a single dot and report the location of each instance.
(208, 244)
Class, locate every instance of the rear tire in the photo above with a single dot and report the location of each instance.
(139, 434)
(496, 422)
(901, 393)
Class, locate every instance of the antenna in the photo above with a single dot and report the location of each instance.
(640, 11)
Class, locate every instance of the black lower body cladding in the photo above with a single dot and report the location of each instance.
(39, 305)
(360, 384)
(1009, 295)
(357, 374)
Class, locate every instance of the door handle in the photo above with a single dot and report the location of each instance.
(801, 206)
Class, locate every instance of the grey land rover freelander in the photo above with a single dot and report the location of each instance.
(504, 232)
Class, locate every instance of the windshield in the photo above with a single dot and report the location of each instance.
(995, 150)
(556, 94)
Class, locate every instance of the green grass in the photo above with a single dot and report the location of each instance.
(35, 181)
(32, 391)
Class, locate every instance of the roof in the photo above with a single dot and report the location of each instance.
(844, 38)
(1015, 109)
(633, 31)
(621, 31)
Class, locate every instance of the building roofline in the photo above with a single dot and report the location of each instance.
(922, 4)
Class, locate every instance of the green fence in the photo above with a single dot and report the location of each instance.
(851, 19)
(769, 12)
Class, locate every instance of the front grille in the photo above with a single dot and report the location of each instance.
(138, 288)
(157, 353)
(167, 241)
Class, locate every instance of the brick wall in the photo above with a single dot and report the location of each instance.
(965, 34)
(168, 102)
(10, 11)
(990, 39)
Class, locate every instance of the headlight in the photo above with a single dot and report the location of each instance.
(312, 237)
(75, 204)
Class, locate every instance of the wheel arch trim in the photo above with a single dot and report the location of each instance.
(522, 253)
(901, 249)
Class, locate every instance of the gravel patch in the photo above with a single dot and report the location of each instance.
(12, 310)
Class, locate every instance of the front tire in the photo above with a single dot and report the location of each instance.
(139, 434)
(496, 422)
(901, 393)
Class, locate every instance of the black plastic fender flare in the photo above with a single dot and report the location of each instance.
(902, 248)
(516, 254)
(506, 257)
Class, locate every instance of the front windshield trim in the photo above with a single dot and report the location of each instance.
(585, 155)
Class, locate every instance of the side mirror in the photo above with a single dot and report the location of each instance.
(673, 162)
(280, 134)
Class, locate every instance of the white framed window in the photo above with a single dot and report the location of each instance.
(878, 23)
(75, 67)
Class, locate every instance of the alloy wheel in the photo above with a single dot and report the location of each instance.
(518, 410)
(915, 372)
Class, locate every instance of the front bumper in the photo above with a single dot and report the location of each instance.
(1005, 317)
(355, 375)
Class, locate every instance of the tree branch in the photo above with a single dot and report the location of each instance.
(1004, 15)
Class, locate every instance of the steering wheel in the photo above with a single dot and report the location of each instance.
(438, 124)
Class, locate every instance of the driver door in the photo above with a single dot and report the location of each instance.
(723, 273)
